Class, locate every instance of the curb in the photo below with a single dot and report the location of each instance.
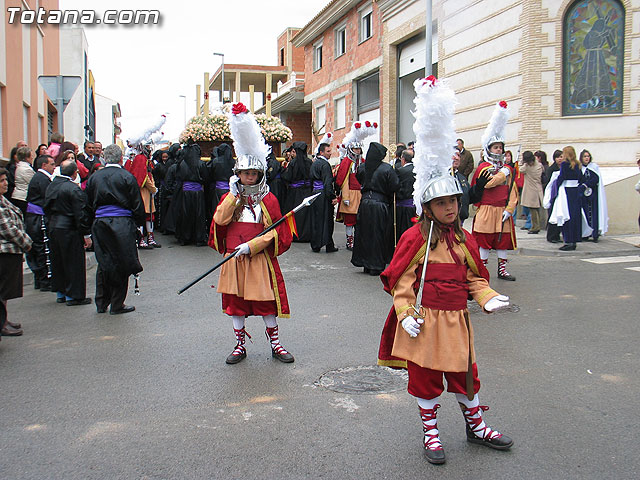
(534, 252)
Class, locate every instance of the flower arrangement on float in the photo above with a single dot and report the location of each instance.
(214, 128)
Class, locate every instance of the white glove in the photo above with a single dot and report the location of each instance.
(495, 303)
(243, 249)
(346, 202)
(505, 215)
(412, 326)
(506, 171)
(234, 185)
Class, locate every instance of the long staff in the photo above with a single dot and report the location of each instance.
(305, 203)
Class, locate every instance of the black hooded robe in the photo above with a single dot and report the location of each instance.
(373, 243)
(405, 209)
(114, 237)
(297, 176)
(35, 226)
(67, 209)
(190, 205)
(219, 171)
(321, 210)
(274, 178)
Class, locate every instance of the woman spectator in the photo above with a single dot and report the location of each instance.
(594, 201)
(55, 145)
(11, 171)
(542, 159)
(41, 150)
(69, 154)
(532, 188)
(23, 175)
(13, 242)
(567, 209)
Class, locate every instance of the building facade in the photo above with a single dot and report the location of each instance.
(29, 50)
(343, 57)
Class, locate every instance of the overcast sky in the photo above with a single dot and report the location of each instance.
(147, 67)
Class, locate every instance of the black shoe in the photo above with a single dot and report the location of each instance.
(435, 457)
(61, 300)
(45, 287)
(315, 250)
(232, 359)
(568, 247)
(101, 309)
(524, 228)
(332, 249)
(80, 301)
(507, 277)
(36, 284)
(283, 357)
(595, 240)
(555, 240)
(500, 443)
(124, 309)
(533, 232)
(9, 331)
(375, 273)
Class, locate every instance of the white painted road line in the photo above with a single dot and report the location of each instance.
(604, 260)
(635, 269)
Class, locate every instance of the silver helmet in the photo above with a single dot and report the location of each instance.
(495, 158)
(441, 186)
(357, 157)
(256, 192)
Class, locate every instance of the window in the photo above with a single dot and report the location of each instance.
(593, 58)
(366, 23)
(341, 40)
(25, 123)
(282, 57)
(340, 113)
(317, 56)
(321, 119)
(368, 93)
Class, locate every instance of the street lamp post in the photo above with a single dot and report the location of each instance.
(222, 88)
(184, 103)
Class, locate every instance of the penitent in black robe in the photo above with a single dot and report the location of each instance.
(321, 210)
(35, 225)
(67, 210)
(274, 179)
(373, 242)
(405, 209)
(219, 171)
(297, 178)
(189, 199)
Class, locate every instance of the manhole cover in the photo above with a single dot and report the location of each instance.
(370, 379)
(473, 307)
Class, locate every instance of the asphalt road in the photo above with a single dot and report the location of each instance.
(148, 396)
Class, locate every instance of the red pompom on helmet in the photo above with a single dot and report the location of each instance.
(431, 80)
(503, 104)
(375, 125)
(367, 124)
(358, 125)
(239, 108)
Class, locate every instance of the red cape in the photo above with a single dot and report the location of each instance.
(138, 167)
(283, 239)
(410, 250)
(344, 170)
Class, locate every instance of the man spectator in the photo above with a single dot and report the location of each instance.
(98, 154)
(400, 147)
(38, 257)
(66, 208)
(466, 159)
(21, 144)
(115, 199)
(321, 210)
(87, 156)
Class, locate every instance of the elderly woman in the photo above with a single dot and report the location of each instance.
(13, 242)
(532, 188)
(23, 175)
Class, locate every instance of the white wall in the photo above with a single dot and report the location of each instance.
(73, 45)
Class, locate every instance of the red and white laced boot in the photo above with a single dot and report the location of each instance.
(152, 241)
(481, 433)
(239, 353)
(433, 448)
(349, 242)
(502, 270)
(277, 350)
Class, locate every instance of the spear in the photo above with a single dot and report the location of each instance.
(305, 203)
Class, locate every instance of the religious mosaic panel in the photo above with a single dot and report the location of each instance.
(593, 58)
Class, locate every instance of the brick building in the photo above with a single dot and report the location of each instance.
(343, 56)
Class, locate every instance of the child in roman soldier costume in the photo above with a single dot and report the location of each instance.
(493, 224)
(251, 283)
(435, 268)
(346, 182)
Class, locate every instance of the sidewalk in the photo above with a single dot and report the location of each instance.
(608, 245)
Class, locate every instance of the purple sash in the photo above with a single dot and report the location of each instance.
(318, 185)
(35, 209)
(222, 185)
(192, 187)
(112, 211)
(300, 184)
(408, 203)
